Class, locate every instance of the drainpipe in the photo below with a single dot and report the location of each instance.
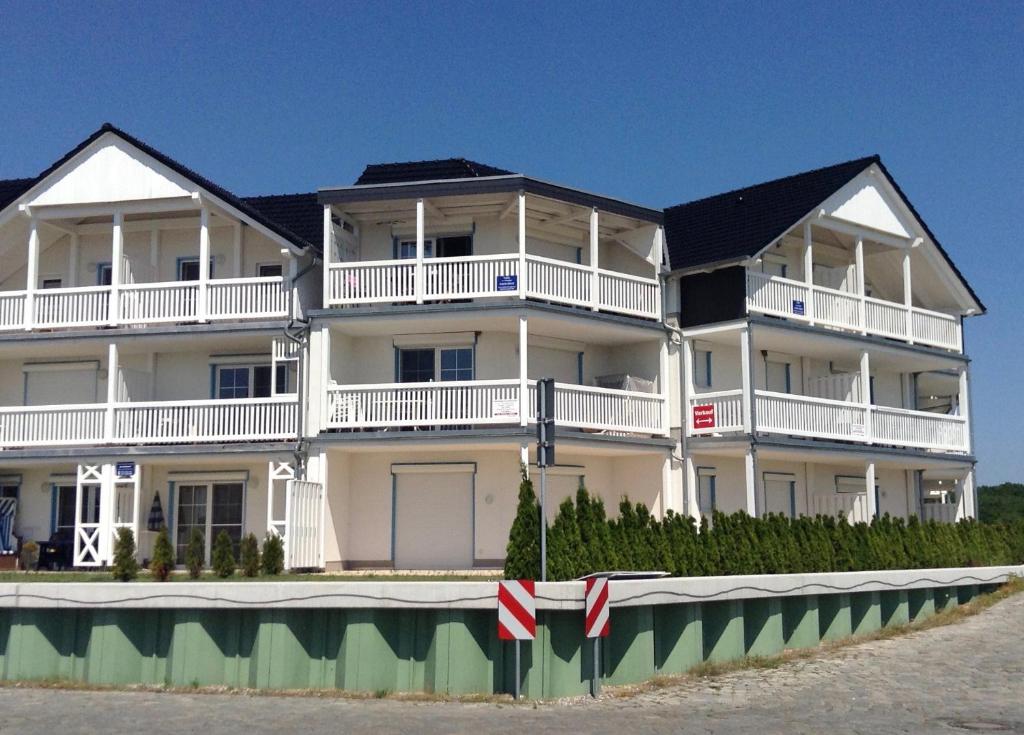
(297, 332)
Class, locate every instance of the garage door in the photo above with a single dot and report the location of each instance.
(433, 518)
(60, 383)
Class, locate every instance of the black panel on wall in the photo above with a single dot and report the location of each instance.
(718, 296)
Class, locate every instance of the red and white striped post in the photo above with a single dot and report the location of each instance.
(517, 615)
(597, 624)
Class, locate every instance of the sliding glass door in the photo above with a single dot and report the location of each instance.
(212, 508)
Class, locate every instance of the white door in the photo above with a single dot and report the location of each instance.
(54, 384)
(433, 520)
(779, 494)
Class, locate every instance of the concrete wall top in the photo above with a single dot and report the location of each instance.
(474, 595)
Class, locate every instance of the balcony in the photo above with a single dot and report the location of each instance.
(829, 307)
(146, 303)
(721, 412)
(154, 422)
(493, 276)
(490, 403)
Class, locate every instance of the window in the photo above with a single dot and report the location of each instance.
(457, 364)
(286, 378)
(188, 269)
(407, 249)
(65, 517)
(244, 381)
(706, 501)
(266, 270)
(416, 366)
(702, 368)
(777, 376)
(211, 508)
(104, 274)
(780, 494)
(51, 283)
(9, 490)
(425, 365)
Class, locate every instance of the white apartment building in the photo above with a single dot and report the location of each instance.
(355, 369)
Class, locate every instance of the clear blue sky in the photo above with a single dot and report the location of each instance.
(657, 103)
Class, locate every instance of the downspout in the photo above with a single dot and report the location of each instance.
(297, 332)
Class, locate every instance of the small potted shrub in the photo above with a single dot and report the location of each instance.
(29, 557)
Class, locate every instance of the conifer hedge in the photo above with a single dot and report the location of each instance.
(583, 540)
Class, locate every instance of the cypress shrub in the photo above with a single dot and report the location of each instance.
(125, 568)
(162, 563)
(272, 558)
(586, 562)
(195, 553)
(564, 544)
(249, 555)
(223, 556)
(522, 555)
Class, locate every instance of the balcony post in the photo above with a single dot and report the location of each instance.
(964, 406)
(113, 371)
(861, 287)
(750, 474)
(692, 503)
(659, 262)
(419, 250)
(809, 273)
(116, 267)
(908, 303)
(521, 212)
(236, 250)
(204, 262)
(869, 486)
(688, 386)
(865, 393)
(968, 505)
(746, 368)
(328, 255)
(595, 278)
(31, 272)
(73, 259)
(524, 393)
(664, 386)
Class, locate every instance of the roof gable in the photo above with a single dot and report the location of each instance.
(868, 202)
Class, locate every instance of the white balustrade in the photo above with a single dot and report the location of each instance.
(12, 310)
(923, 429)
(939, 512)
(558, 281)
(244, 419)
(448, 403)
(716, 412)
(150, 303)
(71, 307)
(818, 418)
(831, 307)
(471, 277)
(851, 506)
(247, 298)
(372, 282)
(605, 409)
(30, 426)
(626, 294)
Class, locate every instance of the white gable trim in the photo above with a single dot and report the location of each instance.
(869, 200)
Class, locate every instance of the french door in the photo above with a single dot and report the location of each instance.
(212, 508)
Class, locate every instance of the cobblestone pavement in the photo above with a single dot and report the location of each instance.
(958, 678)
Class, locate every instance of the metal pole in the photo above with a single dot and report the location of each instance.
(595, 684)
(543, 524)
(516, 688)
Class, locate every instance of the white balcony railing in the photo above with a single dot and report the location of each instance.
(147, 303)
(149, 423)
(493, 276)
(824, 418)
(488, 403)
(830, 307)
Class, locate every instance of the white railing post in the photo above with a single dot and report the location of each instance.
(328, 256)
(869, 485)
(659, 249)
(521, 203)
(595, 276)
(663, 386)
(809, 273)
(204, 263)
(116, 267)
(861, 286)
(31, 272)
(688, 386)
(865, 393)
(964, 406)
(750, 477)
(748, 382)
(908, 304)
(113, 371)
(73, 253)
(420, 226)
(524, 393)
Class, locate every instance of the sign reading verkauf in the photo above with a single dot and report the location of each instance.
(704, 416)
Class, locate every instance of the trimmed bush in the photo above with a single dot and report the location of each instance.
(125, 568)
(272, 562)
(223, 556)
(195, 553)
(162, 563)
(522, 555)
(249, 553)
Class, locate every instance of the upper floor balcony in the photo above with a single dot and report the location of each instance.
(494, 238)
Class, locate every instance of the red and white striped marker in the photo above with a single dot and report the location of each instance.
(597, 625)
(517, 610)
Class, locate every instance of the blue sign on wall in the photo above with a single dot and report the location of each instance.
(507, 283)
(125, 469)
(798, 307)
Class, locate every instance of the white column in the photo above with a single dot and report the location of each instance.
(663, 386)
(236, 250)
(420, 226)
(809, 273)
(524, 454)
(869, 485)
(320, 380)
(748, 380)
(74, 252)
(328, 255)
(859, 252)
(113, 372)
(865, 393)
(116, 263)
(204, 262)
(154, 252)
(968, 506)
(908, 303)
(688, 386)
(750, 475)
(659, 249)
(270, 497)
(692, 504)
(595, 279)
(964, 404)
(668, 492)
(524, 393)
(521, 211)
(31, 272)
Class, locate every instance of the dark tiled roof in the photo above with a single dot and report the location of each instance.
(11, 189)
(738, 224)
(204, 183)
(298, 213)
(447, 168)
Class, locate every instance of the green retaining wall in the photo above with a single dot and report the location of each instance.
(449, 651)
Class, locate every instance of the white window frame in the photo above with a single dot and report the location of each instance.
(699, 364)
(710, 473)
(208, 481)
(261, 266)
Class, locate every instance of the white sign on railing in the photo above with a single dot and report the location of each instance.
(505, 408)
